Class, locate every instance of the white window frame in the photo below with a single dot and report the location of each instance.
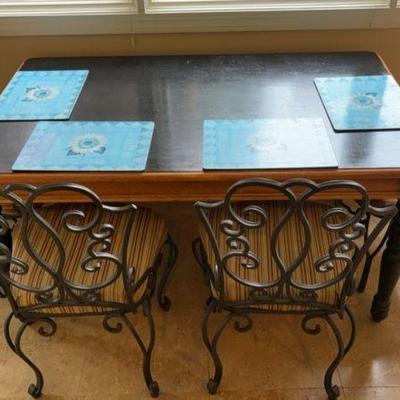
(191, 6)
(157, 16)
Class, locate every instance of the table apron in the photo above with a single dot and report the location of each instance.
(192, 186)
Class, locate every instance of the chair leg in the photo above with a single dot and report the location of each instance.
(352, 320)
(163, 300)
(201, 258)
(5, 239)
(35, 389)
(368, 262)
(332, 390)
(365, 274)
(212, 343)
(152, 385)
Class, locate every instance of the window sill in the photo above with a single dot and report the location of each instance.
(199, 22)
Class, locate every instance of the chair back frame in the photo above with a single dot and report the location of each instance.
(345, 249)
(63, 291)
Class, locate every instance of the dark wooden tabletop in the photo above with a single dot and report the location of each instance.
(179, 92)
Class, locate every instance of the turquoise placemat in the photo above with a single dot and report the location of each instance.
(41, 95)
(362, 102)
(87, 146)
(266, 143)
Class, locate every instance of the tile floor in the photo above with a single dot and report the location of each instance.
(276, 360)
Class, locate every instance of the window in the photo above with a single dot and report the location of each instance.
(43, 17)
(260, 5)
(65, 7)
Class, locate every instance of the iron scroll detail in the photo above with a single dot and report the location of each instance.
(60, 288)
(238, 222)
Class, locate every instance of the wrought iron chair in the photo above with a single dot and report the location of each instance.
(82, 259)
(295, 256)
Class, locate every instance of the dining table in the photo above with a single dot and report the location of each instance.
(179, 92)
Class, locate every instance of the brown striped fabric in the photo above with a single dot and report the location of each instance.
(289, 244)
(7, 208)
(146, 238)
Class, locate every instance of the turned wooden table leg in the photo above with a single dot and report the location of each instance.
(390, 272)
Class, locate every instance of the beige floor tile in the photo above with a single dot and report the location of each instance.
(276, 353)
(54, 397)
(372, 393)
(374, 359)
(180, 363)
(174, 396)
(293, 394)
(135, 396)
(58, 357)
(186, 287)
(112, 363)
(176, 349)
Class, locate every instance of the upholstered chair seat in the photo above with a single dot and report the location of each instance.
(146, 237)
(289, 245)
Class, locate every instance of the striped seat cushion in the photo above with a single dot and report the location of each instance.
(7, 208)
(289, 244)
(146, 238)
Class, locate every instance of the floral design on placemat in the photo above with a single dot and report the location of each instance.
(264, 142)
(40, 93)
(85, 144)
(267, 143)
(366, 100)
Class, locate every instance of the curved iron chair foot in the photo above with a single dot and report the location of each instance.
(34, 389)
(332, 390)
(201, 258)
(212, 386)
(212, 344)
(151, 384)
(163, 300)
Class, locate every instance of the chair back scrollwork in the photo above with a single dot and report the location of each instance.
(103, 261)
(239, 260)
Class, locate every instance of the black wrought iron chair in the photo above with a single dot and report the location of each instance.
(372, 252)
(80, 259)
(295, 256)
